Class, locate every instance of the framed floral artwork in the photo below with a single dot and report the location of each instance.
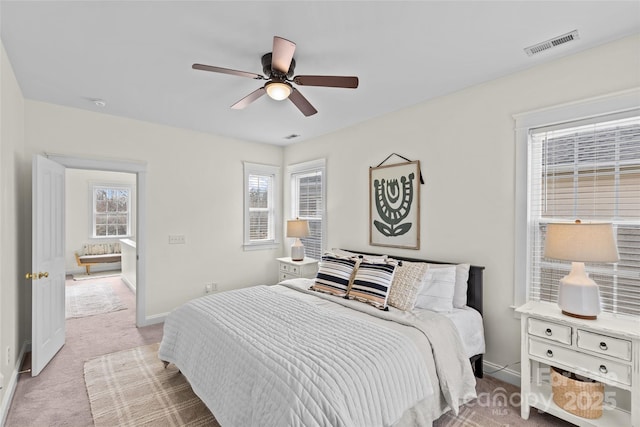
(394, 205)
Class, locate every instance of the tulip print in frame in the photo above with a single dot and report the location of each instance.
(394, 205)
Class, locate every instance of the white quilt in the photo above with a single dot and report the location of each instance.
(258, 357)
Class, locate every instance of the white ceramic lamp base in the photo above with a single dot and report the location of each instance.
(297, 251)
(578, 295)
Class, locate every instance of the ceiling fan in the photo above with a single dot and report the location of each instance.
(278, 67)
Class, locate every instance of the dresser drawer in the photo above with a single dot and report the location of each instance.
(286, 276)
(550, 330)
(290, 268)
(614, 347)
(580, 362)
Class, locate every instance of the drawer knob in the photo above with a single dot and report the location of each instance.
(603, 369)
(548, 332)
(603, 346)
(550, 353)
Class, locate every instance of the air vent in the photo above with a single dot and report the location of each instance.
(556, 41)
(292, 136)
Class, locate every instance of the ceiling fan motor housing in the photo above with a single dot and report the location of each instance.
(269, 72)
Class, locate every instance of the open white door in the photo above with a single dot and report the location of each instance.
(48, 263)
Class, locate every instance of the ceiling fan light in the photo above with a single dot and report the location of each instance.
(278, 90)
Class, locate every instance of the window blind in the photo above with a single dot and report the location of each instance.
(587, 170)
(260, 207)
(310, 206)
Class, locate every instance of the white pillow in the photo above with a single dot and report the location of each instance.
(436, 292)
(462, 277)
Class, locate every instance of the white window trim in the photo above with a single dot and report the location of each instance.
(92, 203)
(301, 168)
(524, 122)
(261, 169)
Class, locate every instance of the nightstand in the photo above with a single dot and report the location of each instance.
(289, 269)
(606, 349)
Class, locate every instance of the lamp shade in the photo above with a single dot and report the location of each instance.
(581, 242)
(298, 228)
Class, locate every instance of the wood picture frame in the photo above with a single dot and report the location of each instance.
(394, 205)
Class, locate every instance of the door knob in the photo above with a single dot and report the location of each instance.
(33, 276)
(41, 275)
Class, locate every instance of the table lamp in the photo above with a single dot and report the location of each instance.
(297, 228)
(578, 295)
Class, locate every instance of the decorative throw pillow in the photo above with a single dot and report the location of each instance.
(436, 292)
(406, 282)
(372, 282)
(334, 275)
(462, 277)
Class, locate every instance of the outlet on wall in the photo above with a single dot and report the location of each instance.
(210, 287)
(177, 239)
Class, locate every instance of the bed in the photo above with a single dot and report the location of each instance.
(285, 355)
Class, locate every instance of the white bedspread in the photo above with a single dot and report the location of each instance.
(262, 357)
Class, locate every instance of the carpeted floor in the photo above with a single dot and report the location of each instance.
(58, 396)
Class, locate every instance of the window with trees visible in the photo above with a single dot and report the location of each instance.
(111, 211)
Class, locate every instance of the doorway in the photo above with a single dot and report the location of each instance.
(139, 170)
(100, 220)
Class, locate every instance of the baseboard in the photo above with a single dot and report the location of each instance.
(507, 375)
(13, 382)
(128, 283)
(154, 319)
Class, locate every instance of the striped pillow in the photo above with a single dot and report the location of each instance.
(371, 284)
(334, 275)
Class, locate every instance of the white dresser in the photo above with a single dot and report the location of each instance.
(289, 269)
(606, 350)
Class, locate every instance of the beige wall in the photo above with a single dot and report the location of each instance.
(78, 213)
(194, 187)
(465, 143)
(11, 241)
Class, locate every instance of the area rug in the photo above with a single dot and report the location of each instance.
(132, 388)
(89, 299)
(96, 275)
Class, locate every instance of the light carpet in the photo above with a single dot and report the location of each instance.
(132, 388)
(96, 275)
(89, 299)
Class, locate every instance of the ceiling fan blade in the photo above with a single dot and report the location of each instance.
(302, 103)
(227, 71)
(249, 99)
(282, 54)
(327, 81)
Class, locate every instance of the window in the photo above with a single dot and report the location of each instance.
(261, 202)
(587, 169)
(308, 202)
(111, 213)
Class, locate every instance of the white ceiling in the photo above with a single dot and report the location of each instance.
(137, 55)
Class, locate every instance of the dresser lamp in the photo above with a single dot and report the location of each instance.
(297, 228)
(578, 295)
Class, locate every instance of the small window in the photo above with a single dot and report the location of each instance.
(261, 216)
(111, 216)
